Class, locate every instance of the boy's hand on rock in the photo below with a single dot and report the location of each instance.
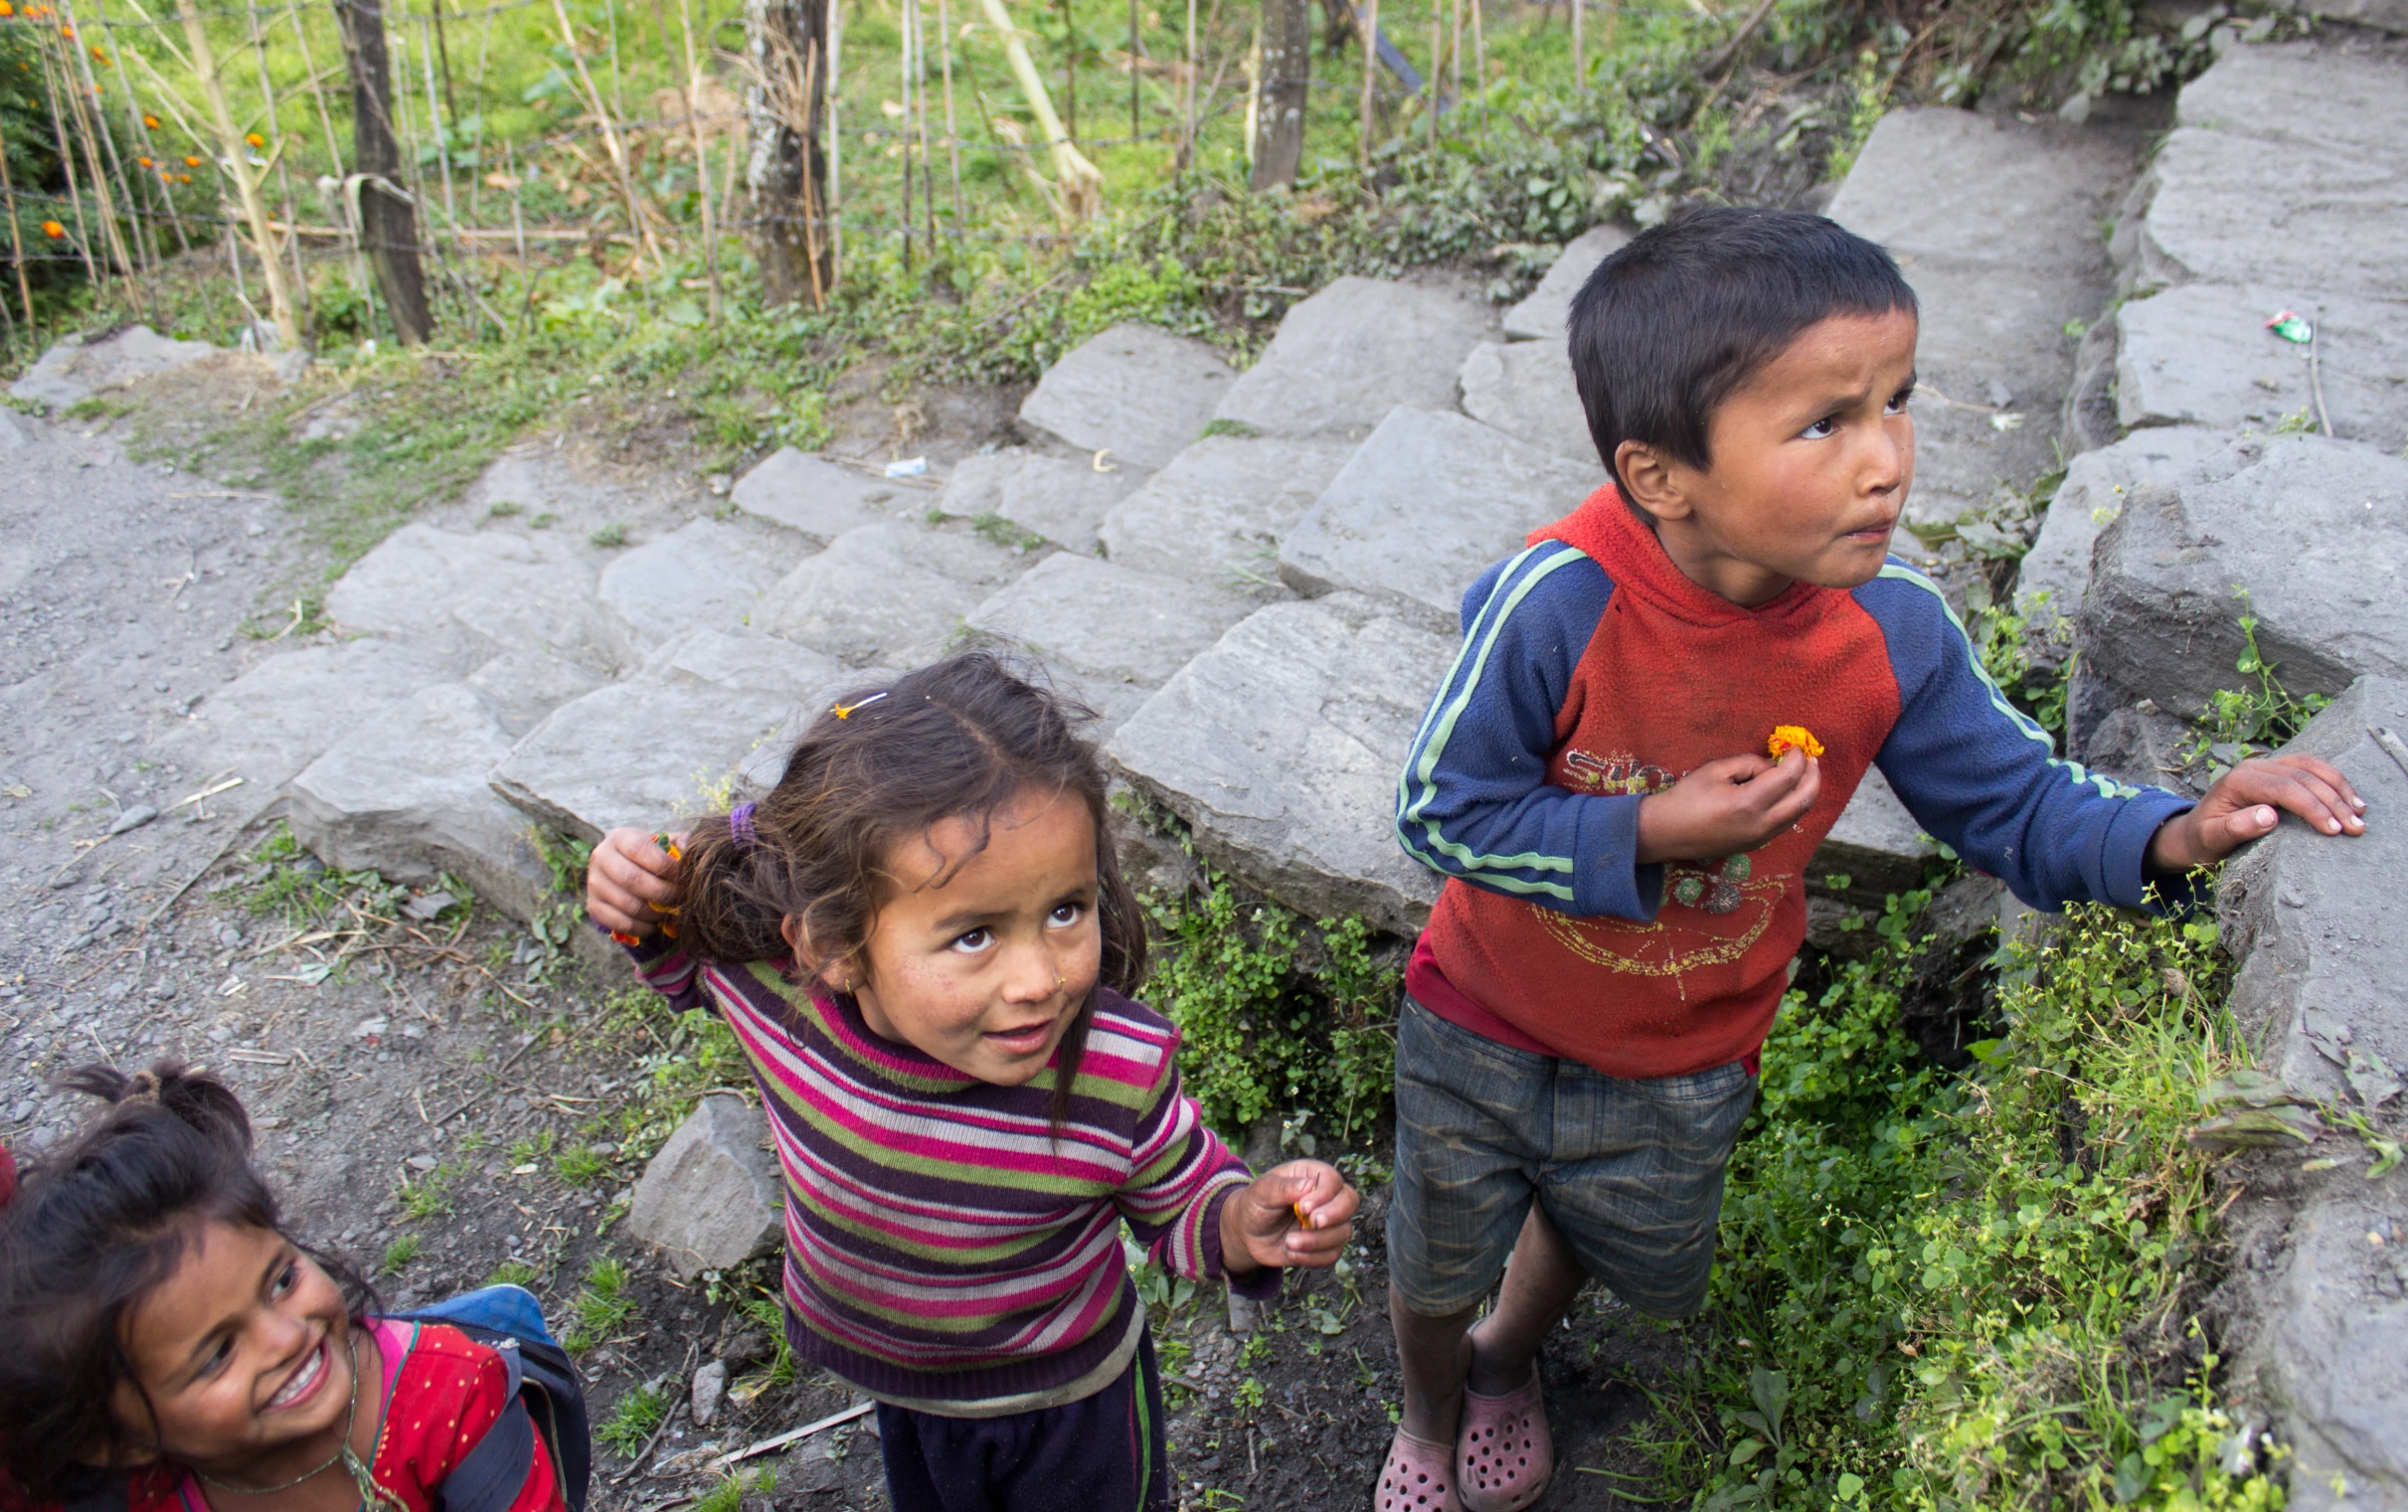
(627, 875)
(1726, 807)
(1261, 1223)
(2241, 807)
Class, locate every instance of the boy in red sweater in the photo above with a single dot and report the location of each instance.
(1623, 851)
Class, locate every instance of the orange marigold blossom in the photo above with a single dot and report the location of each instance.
(1787, 737)
(191, 161)
(256, 139)
(151, 121)
(7, 9)
(54, 230)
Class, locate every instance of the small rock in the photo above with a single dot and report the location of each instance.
(712, 1198)
(422, 1162)
(369, 1029)
(427, 904)
(134, 819)
(709, 1389)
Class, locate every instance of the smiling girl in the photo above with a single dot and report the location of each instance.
(923, 941)
(170, 1348)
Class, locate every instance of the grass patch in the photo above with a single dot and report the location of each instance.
(632, 1418)
(428, 1196)
(399, 1254)
(512, 1272)
(601, 1309)
(1977, 1290)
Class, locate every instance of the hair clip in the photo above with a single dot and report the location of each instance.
(845, 711)
(739, 828)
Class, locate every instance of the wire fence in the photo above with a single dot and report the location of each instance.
(168, 135)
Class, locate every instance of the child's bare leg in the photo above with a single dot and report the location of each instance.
(1432, 1354)
(1540, 1283)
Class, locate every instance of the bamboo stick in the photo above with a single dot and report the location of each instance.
(618, 94)
(518, 216)
(1370, 24)
(275, 135)
(443, 136)
(928, 169)
(237, 163)
(1438, 71)
(702, 159)
(1454, 45)
(443, 51)
(1579, 65)
(15, 242)
(1479, 60)
(152, 185)
(477, 179)
(902, 68)
(1134, 45)
(952, 133)
(1080, 185)
(610, 129)
(317, 92)
(90, 112)
(1188, 128)
(835, 145)
(66, 161)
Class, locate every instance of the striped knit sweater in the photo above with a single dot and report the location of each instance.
(946, 1251)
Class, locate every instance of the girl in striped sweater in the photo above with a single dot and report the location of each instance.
(922, 940)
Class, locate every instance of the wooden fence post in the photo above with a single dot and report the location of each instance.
(1281, 90)
(388, 223)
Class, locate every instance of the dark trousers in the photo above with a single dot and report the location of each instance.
(1101, 1454)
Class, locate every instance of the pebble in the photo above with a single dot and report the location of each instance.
(423, 1162)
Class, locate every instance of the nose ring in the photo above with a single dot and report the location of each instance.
(1060, 981)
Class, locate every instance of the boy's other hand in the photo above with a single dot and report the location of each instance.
(1297, 1214)
(628, 874)
(1728, 807)
(2241, 807)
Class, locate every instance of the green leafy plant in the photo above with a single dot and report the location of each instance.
(1268, 1027)
(2257, 716)
(399, 1254)
(428, 1196)
(632, 1418)
(601, 1309)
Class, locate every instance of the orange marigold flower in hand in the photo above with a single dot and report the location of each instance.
(54, 230)
(1787, 737)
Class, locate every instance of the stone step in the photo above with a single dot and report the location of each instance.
(75, 370)
(1996, 225)
(1424, 507)
(667, 742)
(1525, 390)
(1542, 315)
(1064, 499)
(706, 575)
(1134, 390)
(1281, 747)
(1215, 515)
(824, 499)
(2283, 186)
(284, 714)
(2313, 923)
(889, 592)
(2315, 530)
(1106, 620)
(471, 595)
(405, 795)
(2054, 574)
(1349, 354)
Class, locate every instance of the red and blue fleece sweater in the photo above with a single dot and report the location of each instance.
(1594, 673)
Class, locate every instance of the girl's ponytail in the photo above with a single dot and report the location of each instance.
(730, 904)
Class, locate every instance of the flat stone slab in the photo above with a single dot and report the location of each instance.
(704, 575)
(1064, 499)
(820, 499)
(284, 714)
(2201, 354)
(1996, 225)
(1281, 747)
(405, 795)
(1543, 314)
(2382, 15)
(2315, 530)
(1108, 621)
(2055, 574)
(2335, 1351)
(1134, 390)
(1216, 513)
(713, 1197)
(1426, 503)
(2287, 169)
(1524, 389)
(1876, 845)
(894, 591)
(2314, 919)
(666, 742)
(522, 687)
(1346, 356)
(476, 593)
(976, 485)
(75, 370)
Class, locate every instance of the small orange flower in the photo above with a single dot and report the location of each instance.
(149, 121)
(183, 178)
(68, 32)
(7, 9)
(1794, 738)
(256, 139)
(191, 161)
(100, 58)
(146, 162)
(54, 230)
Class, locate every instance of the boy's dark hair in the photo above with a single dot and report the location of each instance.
(89, 1234)
(1669, 326)
(958, 739)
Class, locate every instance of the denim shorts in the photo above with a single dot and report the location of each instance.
(1630, 1172)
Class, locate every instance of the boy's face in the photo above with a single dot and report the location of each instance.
(1813, 457)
